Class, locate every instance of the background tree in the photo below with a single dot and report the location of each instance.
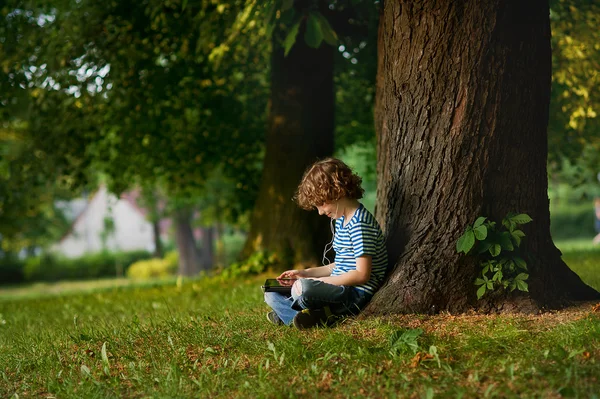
(300, 130)
(462, 113)
(34, 171)
(160, 97)
(574, 126)
(172, 92)
(180, 107)
(301, 119)
(29, 217)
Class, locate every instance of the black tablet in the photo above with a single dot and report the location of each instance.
(282, 285)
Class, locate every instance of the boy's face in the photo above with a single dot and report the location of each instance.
(329, 210)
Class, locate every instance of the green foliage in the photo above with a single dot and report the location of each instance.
(329, 35)
(290, 39)
(575, 179)
(11, 269)
(362, 158)
(259, 262)
(155, 267)
(574, 126)
(192, 98)
(161, 94)
(108, 230)
(355, 75)
(50, 267)
(497, 247)
(291, 20)
(313, 34)
(29, 189)
(138, 91)
(219, 201)
(572, 203)
(229, 246)
(572, 220)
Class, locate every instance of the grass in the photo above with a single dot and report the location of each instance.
(44, 289)
(583, 258)
(204, 338)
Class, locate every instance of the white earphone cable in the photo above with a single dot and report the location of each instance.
(329, 246)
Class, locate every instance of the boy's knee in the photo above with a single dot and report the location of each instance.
(302, 287)
(297, 288)
(270, 297)
(307, 286)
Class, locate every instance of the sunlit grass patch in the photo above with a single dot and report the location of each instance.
(583, 257)
(43, 289)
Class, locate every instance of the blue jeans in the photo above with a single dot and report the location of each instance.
(341, 299)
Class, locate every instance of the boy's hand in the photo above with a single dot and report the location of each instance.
(290, 274)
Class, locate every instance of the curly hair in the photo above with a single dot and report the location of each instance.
(327, 181)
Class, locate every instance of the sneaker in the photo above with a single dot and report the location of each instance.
(273, 318)
(309, 318)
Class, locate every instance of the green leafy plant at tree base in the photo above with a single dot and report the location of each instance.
(502, 267)
(405, 340)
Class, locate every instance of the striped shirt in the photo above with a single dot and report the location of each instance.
(361, 236)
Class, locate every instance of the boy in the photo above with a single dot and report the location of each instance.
(322, 294)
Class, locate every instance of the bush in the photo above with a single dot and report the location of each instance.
(229, 247)
(11, 270)
(257, 263)
(51, 267)
(155, 267)
(569, 221)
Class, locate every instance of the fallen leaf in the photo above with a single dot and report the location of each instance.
(419, 357)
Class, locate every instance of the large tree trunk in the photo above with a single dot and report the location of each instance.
(300, 131)
(462, 113)
(189, 256)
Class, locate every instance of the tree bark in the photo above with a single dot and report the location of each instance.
(300, 131)
(207, 254)
(158, 247)
(189, 256)
(219, 244)
(462, 114)
(150, 199)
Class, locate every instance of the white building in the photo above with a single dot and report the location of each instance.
(88, 233)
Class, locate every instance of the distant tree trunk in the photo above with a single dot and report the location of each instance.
(150, 199)
(220, 244)
(189, 256)
(462, 113)
(207, 257)
(158, 247)
(300, 131)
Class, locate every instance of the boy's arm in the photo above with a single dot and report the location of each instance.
(321, 271)
(361, 275)
(313, 272)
